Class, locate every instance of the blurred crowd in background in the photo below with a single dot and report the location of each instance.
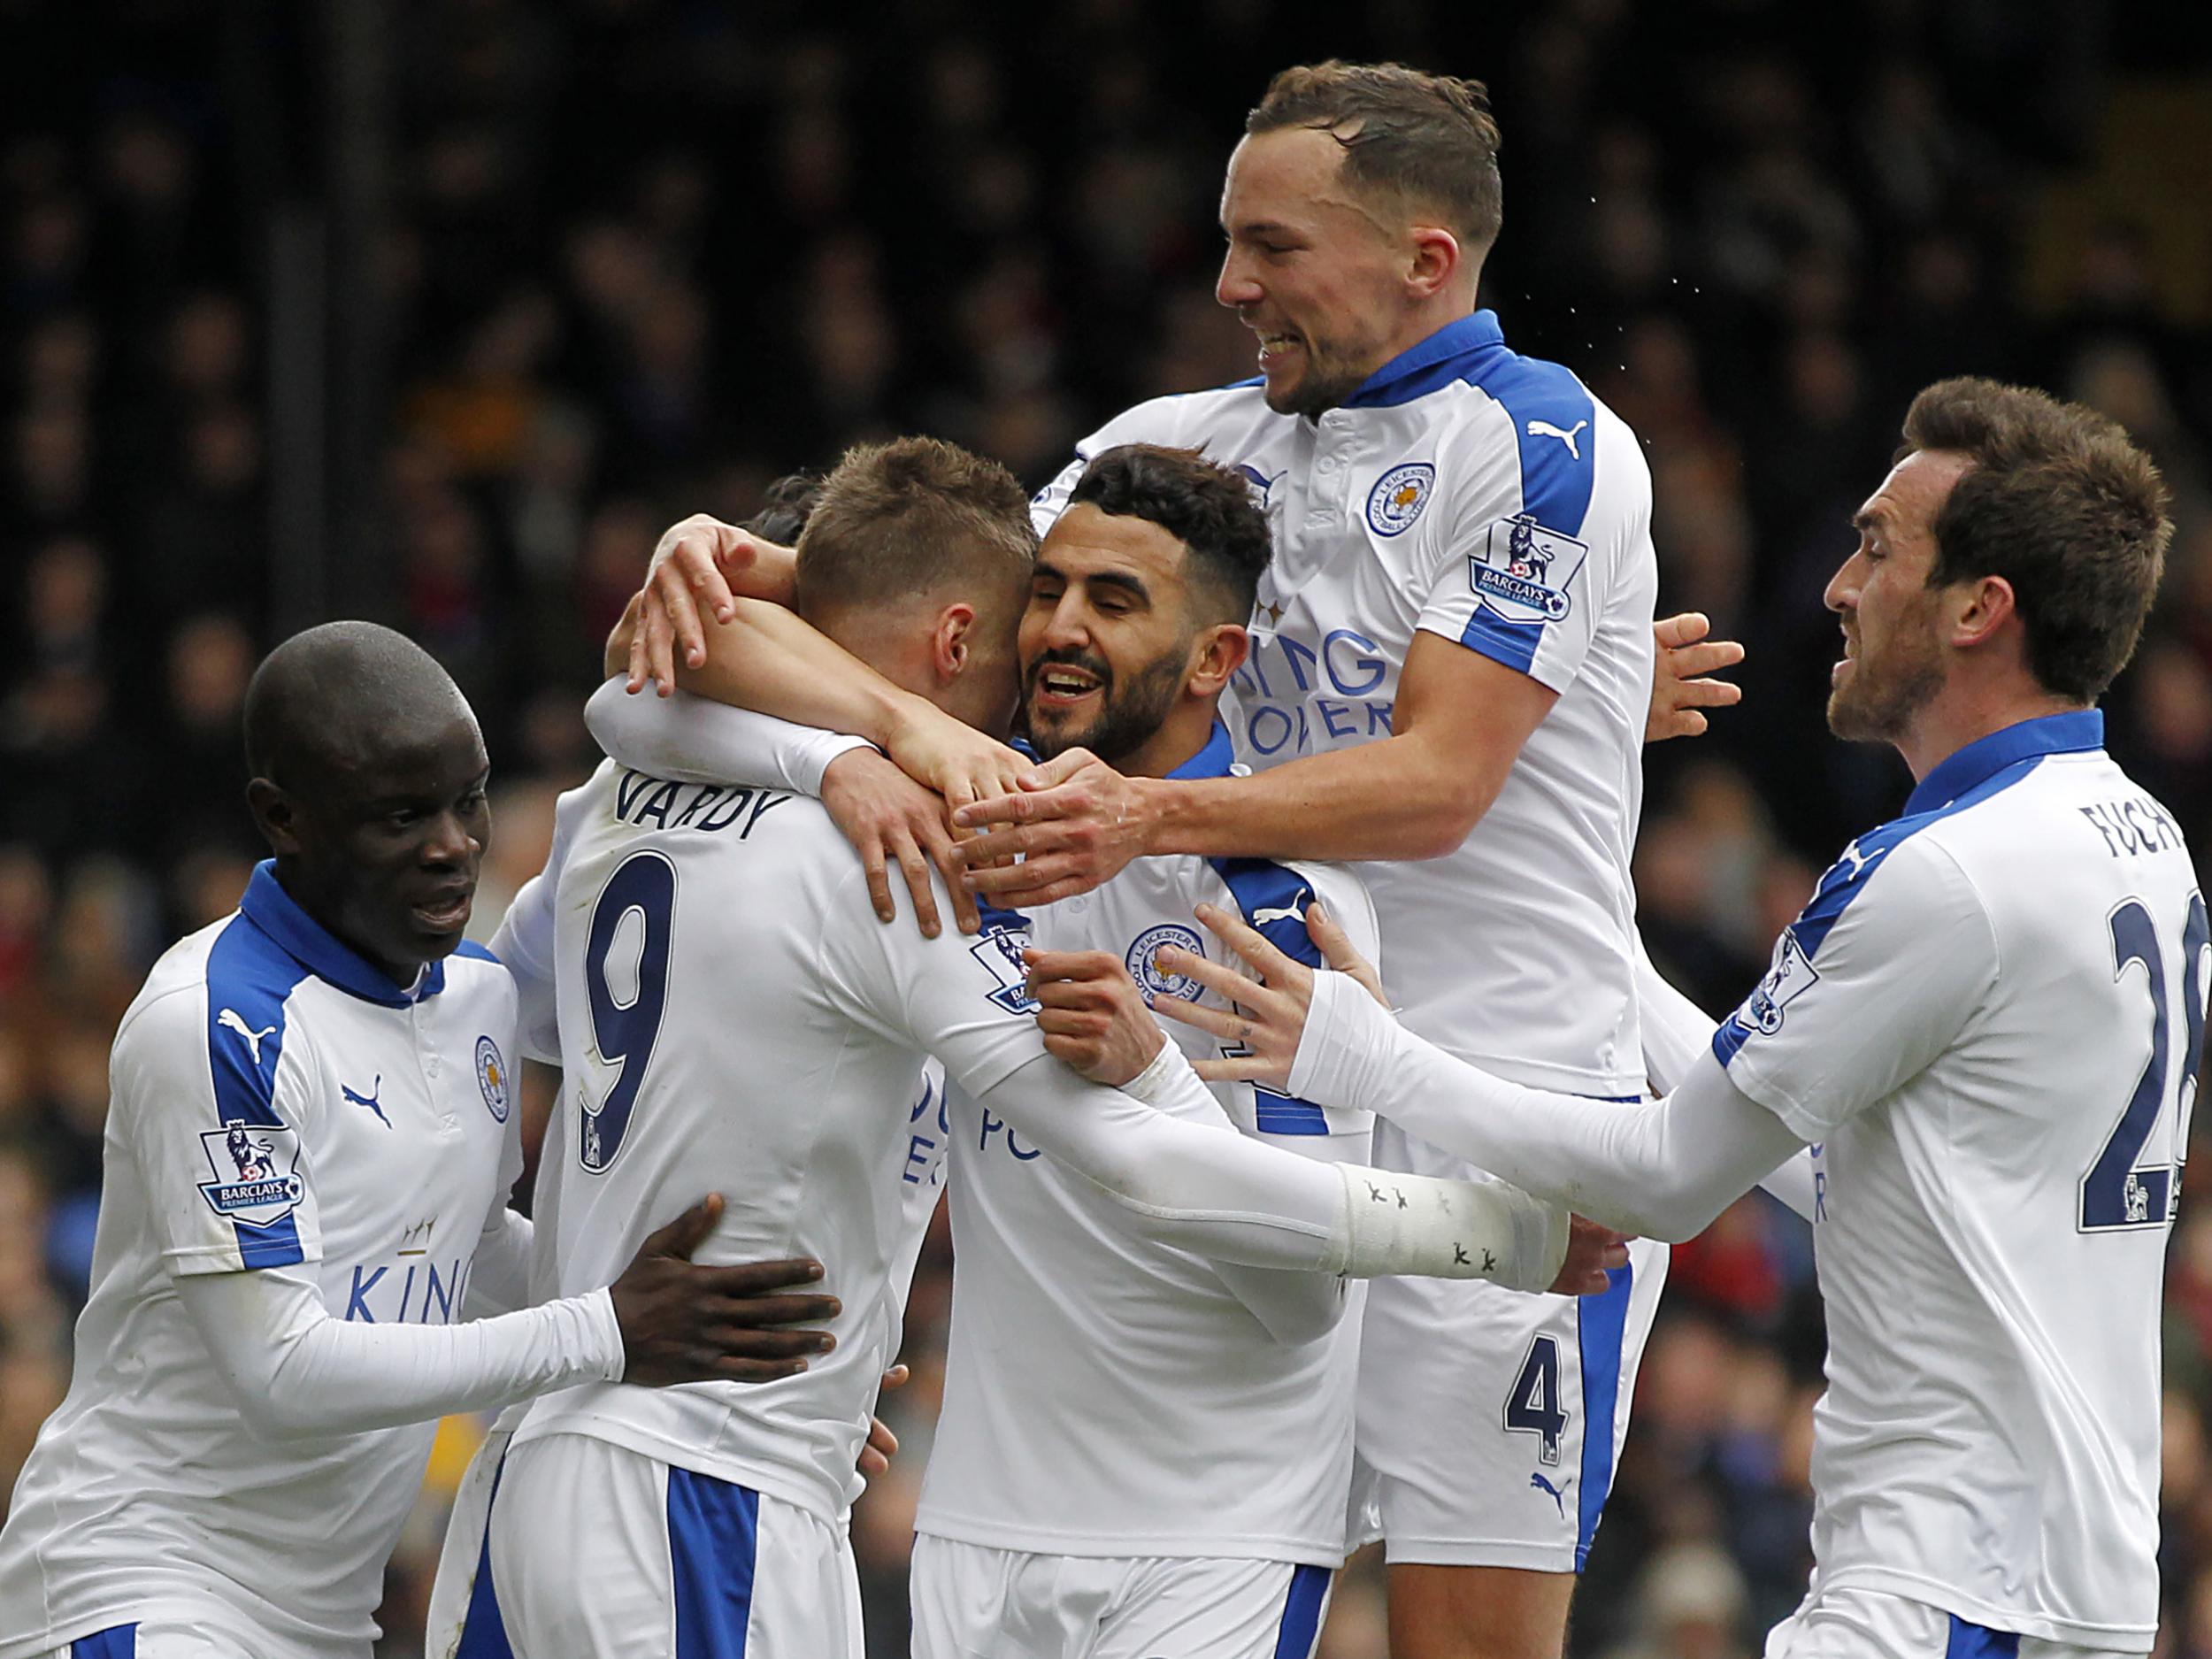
(638, 257)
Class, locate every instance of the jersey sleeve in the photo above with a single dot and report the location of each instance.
(1528, 559)
(1151, 422)
(695, 739)
(1868, 985)
(211, 1103)
(958, 997)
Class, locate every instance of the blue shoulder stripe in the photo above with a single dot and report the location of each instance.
(1274, 900)
(1846, 878)
(249, 978)
(998, 919)
(1554, 425)
(475, 952)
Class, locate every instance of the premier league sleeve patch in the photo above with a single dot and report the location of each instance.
(255, 1166)
(1400, 497)
(1792, 975)
(1525, 573)
(999, 953)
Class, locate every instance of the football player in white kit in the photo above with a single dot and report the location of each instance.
(305, 1169)
(1987, 1025)
(730, 1011)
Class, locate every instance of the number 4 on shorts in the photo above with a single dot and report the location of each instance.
(1532, 1404)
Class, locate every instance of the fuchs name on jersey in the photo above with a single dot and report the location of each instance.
(652, 803)
(2134, 825)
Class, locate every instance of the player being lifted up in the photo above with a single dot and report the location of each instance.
(731, 1013)
(1451, 670)
(1988, 1025)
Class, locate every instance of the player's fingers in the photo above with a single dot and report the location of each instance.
(1686, 723)
(1070, 1022)
(680, 1237)
(916, 869)
(942, 850)
(1249, 943)
(749, 1312)
(757, 1371)
(1219, 977)
(759, 1278)
(1685, 629)
(660, 649)
(1071, 964)
(1243, 1069)
(1219, 1022)
(1711, 657)
(897, 1377)
(640, 665)
(1710, 693)
(672, 581)
(1017, 884)
(877, 869)
(705, 566)
(1057, 771)
(747, 1342)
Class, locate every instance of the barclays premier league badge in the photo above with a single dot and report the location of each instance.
(253, 1165)
(1523, 572)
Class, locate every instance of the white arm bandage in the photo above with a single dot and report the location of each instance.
(1662, 1168)
(1235, 1199)
(295, 1371)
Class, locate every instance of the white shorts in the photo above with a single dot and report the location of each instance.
(461, 1557)
(972, 1602)
(1490, 1421)
(1852, 1624)
(597, 1552)
(156, 1637)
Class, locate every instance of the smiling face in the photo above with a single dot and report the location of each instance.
(1893, 663)
(1312, 270)
(1108, 639)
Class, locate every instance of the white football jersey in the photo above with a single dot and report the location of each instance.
(1488, 498)
(276, 1101)
(1988, 1023)
(1109, 1395)
(733, 1019)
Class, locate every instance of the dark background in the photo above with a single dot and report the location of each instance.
(438, 312)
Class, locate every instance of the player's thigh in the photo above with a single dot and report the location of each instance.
(974, 1601)
(1853, 1623)
(1217, 1608)
(1477, 1612)
(1492, 1421)
(600, 1553)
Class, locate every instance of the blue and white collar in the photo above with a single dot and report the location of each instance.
(1214, 760)
(1446, 356)
(1985, 758)
(322, 953)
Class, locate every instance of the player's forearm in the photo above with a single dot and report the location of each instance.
(499, 1274)
(1395, 799)
(1298, 1307)
(768, 658)
(1662, 1168)
(1235, 1199)
(296, 1371)
(696, 740)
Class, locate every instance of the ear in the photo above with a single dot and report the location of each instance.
(949, 642)
(1980, 611)
(276, 816)
(1216, 656)
(1436, 261)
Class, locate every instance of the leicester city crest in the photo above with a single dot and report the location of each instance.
(1525, 573)
(491, 1077)
(1145, 969)
(1399, 497)
(254, 1166)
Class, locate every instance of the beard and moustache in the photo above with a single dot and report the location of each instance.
(1888, 687)
(1128, 714)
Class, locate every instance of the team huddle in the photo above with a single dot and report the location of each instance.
(1333, 681)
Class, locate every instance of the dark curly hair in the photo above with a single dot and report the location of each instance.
(2061, 504)
(1206, 507)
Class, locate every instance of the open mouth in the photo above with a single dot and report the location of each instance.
(1276, 346)
(445, 914)
(1058, 686)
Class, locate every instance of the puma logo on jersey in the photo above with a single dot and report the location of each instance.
(368, 1099)
(1545, 429)
(230, 1020)
(1294, 911)
(1558, 1492)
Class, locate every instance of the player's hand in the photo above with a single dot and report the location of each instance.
(700, 563)
(889, 819)
(952, 757)
(685, 1324)
(1092, 1015)
(1075, 821)
(1270, 1012)
(881, 1445)
(1679, 691)
(1591, 1251)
